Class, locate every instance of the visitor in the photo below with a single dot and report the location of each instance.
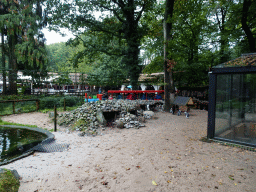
(104, 95)
(119, 96)
(130, 96)
(143, 97)
(158, 97)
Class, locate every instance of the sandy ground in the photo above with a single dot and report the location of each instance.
(166, 155)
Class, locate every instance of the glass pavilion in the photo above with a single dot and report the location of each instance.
(232, 101)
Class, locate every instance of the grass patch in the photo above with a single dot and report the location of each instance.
(8, 182)
(17, 124)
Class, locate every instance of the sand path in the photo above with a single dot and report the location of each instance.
(167, 152)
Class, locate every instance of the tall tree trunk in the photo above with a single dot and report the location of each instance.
(3, 62)
(251, 39)
(12, 65)
(133, 61)
(168, 76)
(224, 42)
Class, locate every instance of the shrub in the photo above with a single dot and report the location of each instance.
(71, 101)
(49, 102)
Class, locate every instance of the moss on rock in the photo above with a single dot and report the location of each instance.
(9, 180)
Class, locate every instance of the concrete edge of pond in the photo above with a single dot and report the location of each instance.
(50, 138)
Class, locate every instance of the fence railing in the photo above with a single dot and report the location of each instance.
(8, 107)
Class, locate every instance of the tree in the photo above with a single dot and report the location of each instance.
(63, 79)
(249, 8)
(22, 22)
(3, 11)
(107, 71)
(121, 21)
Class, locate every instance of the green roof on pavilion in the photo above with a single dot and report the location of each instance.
(243, 61)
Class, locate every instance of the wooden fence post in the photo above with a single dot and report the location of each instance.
(13, 107)
(64, 104)
(37, 105)
(55, 119)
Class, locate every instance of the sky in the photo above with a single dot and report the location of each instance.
(53, 37)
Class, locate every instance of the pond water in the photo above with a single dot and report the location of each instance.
(15, 141)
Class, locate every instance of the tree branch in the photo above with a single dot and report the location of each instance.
(120, 3)
(140, 13)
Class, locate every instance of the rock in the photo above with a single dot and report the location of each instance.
(51, 114)
(9, 180)
(67, 131)
(119, 124)
(148, 113)
(90, 115)
(81, 134)
(100, 117)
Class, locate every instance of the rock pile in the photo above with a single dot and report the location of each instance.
(89, 117)
(128, 121)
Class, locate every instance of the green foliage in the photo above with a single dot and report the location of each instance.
(49, 102)
(156, 65)
(8, 182)
(81, 124)
(63, 79)
(71, 101)
(118, 32)
(16, 97)
(107, 71)
(21, 23)
(17, 124)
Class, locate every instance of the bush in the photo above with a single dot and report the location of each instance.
(71, 101)
(49, 102)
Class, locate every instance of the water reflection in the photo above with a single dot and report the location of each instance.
(15, 141)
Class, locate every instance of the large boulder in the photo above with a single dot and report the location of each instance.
(9, 180)
(119, 124)
(148, 114)
(100, 118)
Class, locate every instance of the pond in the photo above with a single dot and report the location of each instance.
(14, 141)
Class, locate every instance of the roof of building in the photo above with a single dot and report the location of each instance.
(248, 59)
(183, 101)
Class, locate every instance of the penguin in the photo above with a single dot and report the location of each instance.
(179, 113)
(187, 114)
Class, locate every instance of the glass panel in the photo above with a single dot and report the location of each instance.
(222, 121)
(235, 107)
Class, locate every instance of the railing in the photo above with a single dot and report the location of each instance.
(137, 93)
(8, 107)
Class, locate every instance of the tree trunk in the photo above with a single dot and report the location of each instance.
(3, 62)
(251, 39)
(168, 77)
(12, 65)
(133, 61)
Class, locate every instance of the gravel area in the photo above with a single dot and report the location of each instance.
(166, 155)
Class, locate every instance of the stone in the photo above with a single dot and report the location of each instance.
(149, 113)
(119, 124)
(100, 117)
(7, 183)
(81, 134)
(51, 114)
